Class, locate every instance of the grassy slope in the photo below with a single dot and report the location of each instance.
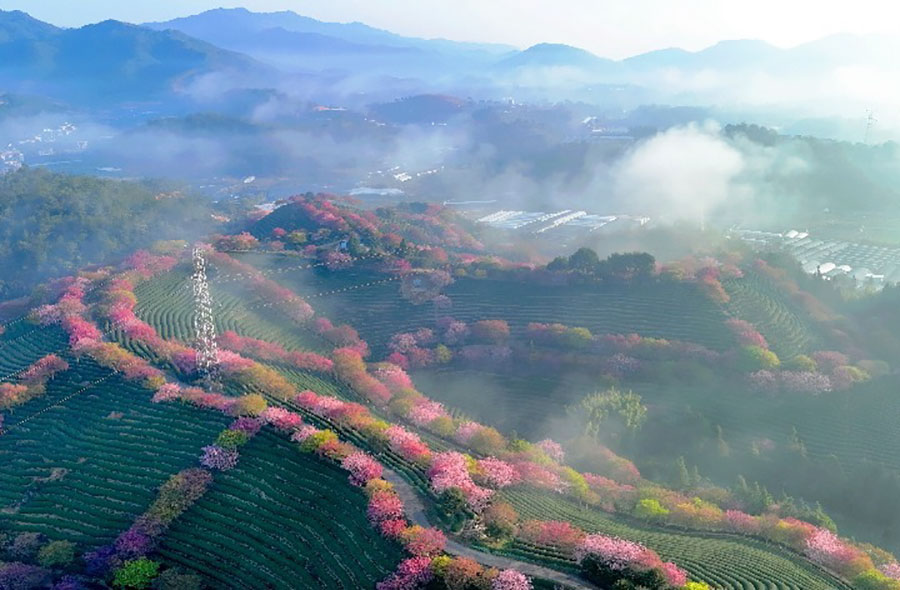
(755, 299)
(378, 312)
(726, 562)
(773, 570)
(114, 448)
(281, 519)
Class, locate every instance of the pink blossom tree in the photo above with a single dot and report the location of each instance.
(216, 457)
(281, 418)
(362, 468)
(511, 580)
(384, 505)
(552, 448)
(424, 541)
(411, 574)
(496, 473)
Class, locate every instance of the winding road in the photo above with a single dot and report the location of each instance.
(415, 510)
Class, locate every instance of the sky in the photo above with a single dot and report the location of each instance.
(610, 28)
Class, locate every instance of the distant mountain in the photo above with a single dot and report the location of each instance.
(226, 26)
(278, 40)
(553, 55)
(738, 54)
(846, 49)
(296, 43)
(107, 61)
(17, 25)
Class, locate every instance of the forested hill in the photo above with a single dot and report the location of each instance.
(52, 224)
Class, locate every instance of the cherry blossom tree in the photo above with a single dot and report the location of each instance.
(746, 333)
(384, 505)
(215, 457)
(425, 411)
(411, 574)
(490, 331)
(450, 470)
(362, 468)
(552, 532)
(552, 448)
(424, 541)
(511, 580)
(496, 473)
(407, 444)
(281, 418)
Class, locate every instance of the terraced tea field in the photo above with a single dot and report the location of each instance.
(84, 470)
(281, 519)
(754, 299)
(860, 425)
(673, 311)
(166, 303)
(723, 561)
(23, 343)
(525, 403)
(854, 426)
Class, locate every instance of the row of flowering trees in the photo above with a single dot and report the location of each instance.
(127, 556)
(555, 345)
(32, 382)
(558, 345)
(513, 462)
(538, 465)
(475, 478)
(606, 560)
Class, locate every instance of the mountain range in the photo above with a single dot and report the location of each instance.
(111, 60)
(114, 61)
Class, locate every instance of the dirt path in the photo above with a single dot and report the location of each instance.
(415, 511)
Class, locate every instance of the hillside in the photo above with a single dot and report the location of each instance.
(550, 54)
(55, 224)
(292, 378)
(224, 26)
(107, 61)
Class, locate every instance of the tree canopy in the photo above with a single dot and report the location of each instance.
(53, 224)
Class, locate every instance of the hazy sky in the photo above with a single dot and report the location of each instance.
(612, 28)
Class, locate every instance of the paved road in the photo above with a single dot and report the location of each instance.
(415, 511)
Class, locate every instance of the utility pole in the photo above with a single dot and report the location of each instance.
(204, 326)
(870, 122)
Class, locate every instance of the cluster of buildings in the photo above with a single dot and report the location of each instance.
(11, 159)
(539, 222)
(867, 265)
(41, 144)
(50, 135)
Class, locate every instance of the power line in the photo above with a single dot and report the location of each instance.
(57, 403)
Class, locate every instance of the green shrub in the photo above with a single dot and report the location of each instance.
(232, 439)
(650, 509)
(755, 358)
(136, 573)
(57, 554)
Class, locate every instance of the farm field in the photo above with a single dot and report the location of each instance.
(281, 519)
(224, 536)
(723, 561)
(853, 432)
(754, 299)
(23, 343)
(84, 470)
(166, 303)
(666, 311)
(859, 425)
